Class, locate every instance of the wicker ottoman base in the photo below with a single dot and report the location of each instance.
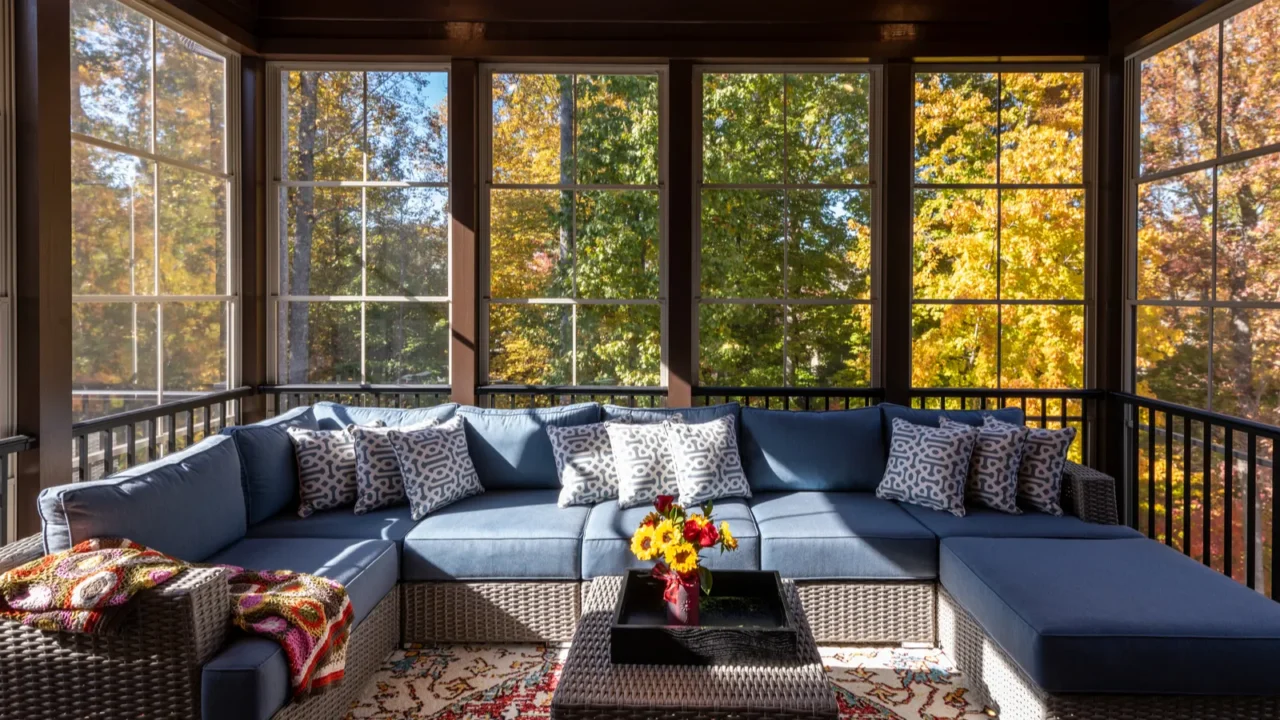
(843, 613)
(490, 612)
(999, 682)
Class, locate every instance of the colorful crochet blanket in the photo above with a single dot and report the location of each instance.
(87, 589)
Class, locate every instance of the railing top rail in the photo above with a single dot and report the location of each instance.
(571, 390)
(156, 411)
(1008, 392)
(734, 391)
(16, 443)
(356, 388)
(1213, 418)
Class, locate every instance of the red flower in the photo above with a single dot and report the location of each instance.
(691, 530)
(651, 519)
(708, 535)
(664, 503)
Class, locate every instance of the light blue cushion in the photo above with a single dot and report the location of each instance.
(499, 535)
(785, 450)
(842, 536)
(691, 415)
(932, 418)
(1116, 616)
(606, 542)
(335, 416)
(510, 448)
(249, 678)
(985, 522)
(389, 523)
(189, 504)
(268, 468)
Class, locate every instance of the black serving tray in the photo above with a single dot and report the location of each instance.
(746, 620)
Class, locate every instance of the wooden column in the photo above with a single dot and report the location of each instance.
(42, 178)
(682, 163)
(1109, 350)
(464, 177)
(895, 289)
(253, 235)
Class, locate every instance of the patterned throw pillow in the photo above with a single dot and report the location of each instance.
(708, 466)
(993, 468)
(642, 455)
(1040, 474)
(436, 466)
(927, 466)
(584, 461)
(378, 479)
(326, 469)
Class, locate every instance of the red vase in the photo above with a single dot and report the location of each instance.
(682, 600)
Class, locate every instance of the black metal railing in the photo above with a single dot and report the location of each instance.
(287, 397)
(10, 447)
(1203, 483)
(533, 396)
(106, 445)
(789, 398)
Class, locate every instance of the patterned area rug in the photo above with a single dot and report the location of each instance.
(475, 682)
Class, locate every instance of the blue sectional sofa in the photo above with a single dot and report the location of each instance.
(1066, 603)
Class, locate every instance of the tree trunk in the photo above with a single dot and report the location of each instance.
(305, 214)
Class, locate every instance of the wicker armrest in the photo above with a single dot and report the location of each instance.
(150, 668)
(1089, 494)
(20, 552)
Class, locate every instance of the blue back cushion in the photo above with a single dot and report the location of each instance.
(188, 504)
(334, 416)
(830, 451)
(933, 418)
(510, 448)
(268, 471)
(691, 415)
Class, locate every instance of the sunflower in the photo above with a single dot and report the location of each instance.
(665, 534)
(682, 557)
(726, 538)
(644, 544)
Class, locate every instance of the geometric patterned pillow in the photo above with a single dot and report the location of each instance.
(708, 466)
(927, 466)
(1040, 474)
(993, 469)
(436, 466)
(326, 469)
(642, 458)
(584, 461)
(378, 479)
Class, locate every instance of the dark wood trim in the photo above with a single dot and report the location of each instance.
(1108, 346)
(253, 235)
(42, 106)
(1138, 23)
(464, 177)
(895, 295)
(230, 23)
(682, 354)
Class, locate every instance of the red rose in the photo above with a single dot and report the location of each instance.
(664, 502)
(708, 536)
(691, 530)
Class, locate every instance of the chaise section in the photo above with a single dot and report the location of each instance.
(985, 522)
(390, 523)
(606, 542)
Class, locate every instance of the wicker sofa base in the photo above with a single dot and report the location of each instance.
(870, 612)
(999, 682)
(491, 611)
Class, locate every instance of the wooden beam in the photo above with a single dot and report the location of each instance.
(42, 108)
(464, 177)
(1109, 306)
(895, 306)
(682, 163)
(253, 235)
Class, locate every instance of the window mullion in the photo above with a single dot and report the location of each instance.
(999, 229)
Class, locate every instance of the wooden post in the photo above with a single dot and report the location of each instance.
(895, 303)
(682, 354)
(464, 177)
(253, 236)
(1109, 304)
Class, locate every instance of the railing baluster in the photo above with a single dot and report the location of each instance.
(4, 497)
(1186, 485)
(207, 412)
(82, 445)
(1168, 478)
(1151, 472)
(172, 427)
(152, 446)
(1250, 512)
(130, 452)
(191, 429)
(1228, 498)
(1206, 502)
(108, 442)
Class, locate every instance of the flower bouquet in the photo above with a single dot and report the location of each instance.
(673, 538)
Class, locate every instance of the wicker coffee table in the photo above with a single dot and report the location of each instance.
(592, 687)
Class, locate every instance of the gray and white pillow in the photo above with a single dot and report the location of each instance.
(435, 464)
(928, 466)
(1040, 473)
(642, 456)
(326, 469)
(993, 467)
(378, 479)
(708, 466)
(584, 462)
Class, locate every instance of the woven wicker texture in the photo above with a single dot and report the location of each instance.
(843, 613)
(151, 669)
(491, 612)
(21, 552)
(376, 638)
(1002, 684)
(1089, 494)
(591, 687)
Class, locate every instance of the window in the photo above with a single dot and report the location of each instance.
(1205, 294)
(999, 250)
(786, 241)
(153, 287)
(574, 227)
(362, 221)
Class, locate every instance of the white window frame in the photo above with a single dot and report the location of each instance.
(230, 174)
(1088, 184)
(276, 293)
(487, 72)
(874, 186)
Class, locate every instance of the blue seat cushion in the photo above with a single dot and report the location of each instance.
(842, 536)
(1116, 616)
(390, 523)
(985, 522)
(189, 504)
(510, 448)
(606, 542)
(249, 678)
(268, 468)
(498, 535)
(335, 416)
(692, 415)
(839, 450)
